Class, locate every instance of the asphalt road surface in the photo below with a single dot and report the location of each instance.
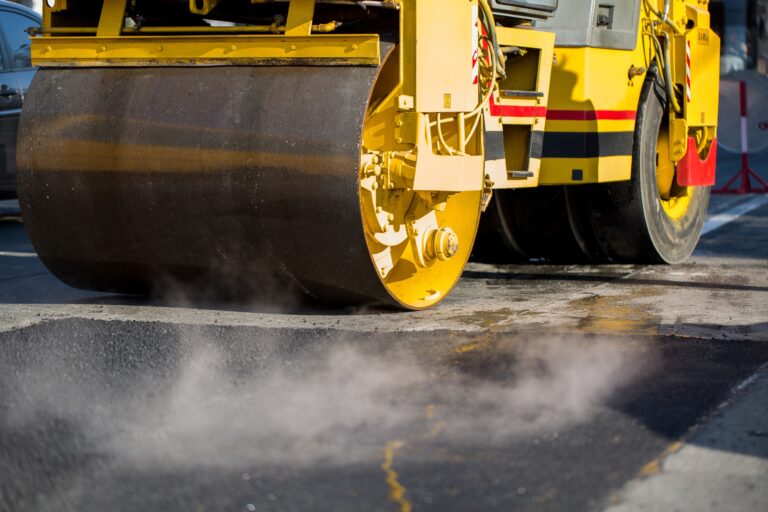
(533, 387)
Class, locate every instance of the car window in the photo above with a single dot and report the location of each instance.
(14, 27)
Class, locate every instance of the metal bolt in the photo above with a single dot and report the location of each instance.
(635, 71)
(446, 244)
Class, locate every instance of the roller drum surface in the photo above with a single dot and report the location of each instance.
(244, 178)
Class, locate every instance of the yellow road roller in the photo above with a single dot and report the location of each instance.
(348, 149)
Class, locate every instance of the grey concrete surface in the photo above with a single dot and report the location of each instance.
(721, 466)
(533, 387)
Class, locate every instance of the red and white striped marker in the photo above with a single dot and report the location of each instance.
(745, 173)
(688, 70)
(475, 45)
(744, 128)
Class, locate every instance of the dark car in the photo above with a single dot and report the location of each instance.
(16, 73)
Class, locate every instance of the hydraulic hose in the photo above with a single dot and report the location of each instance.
(663, 16)
(668, 77)
(500, 60)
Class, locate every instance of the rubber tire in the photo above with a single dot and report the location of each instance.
(493, 243)
(526, 224)
(627, 218)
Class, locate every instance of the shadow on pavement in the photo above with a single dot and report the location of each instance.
(25, 280)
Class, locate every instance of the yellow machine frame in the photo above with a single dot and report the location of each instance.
(596, 91)
(457, 106)
(588, 97)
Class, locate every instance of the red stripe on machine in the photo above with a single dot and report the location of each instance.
(688, 71)
(517, 111)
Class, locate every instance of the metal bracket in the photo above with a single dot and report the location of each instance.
(112, 18)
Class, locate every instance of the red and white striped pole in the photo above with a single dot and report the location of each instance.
(745, 173)
(688, 71)
(744, 135)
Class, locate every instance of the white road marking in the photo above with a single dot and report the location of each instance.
(13, 254)
(750, 380)
(723, 203)
(721, 219)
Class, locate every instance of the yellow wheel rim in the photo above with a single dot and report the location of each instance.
(675, 200)
(413, 282)
(419, 242)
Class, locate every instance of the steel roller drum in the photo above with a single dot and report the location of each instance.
(239, 178)
(729, 125)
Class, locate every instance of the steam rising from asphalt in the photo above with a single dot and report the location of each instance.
(211, 403)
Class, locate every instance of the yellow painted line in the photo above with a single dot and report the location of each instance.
(654, 467)
(467, 348)
(396, 489)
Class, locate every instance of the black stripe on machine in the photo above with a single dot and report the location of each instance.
(587, 144)
(494, 145)
(537, 144)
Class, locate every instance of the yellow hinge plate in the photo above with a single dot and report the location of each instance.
(205, 50)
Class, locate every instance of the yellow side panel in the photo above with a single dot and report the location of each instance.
(595, 78)
(591, 115)
(520, 119)
(444, 48)
(702, 110)
(588, 170)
